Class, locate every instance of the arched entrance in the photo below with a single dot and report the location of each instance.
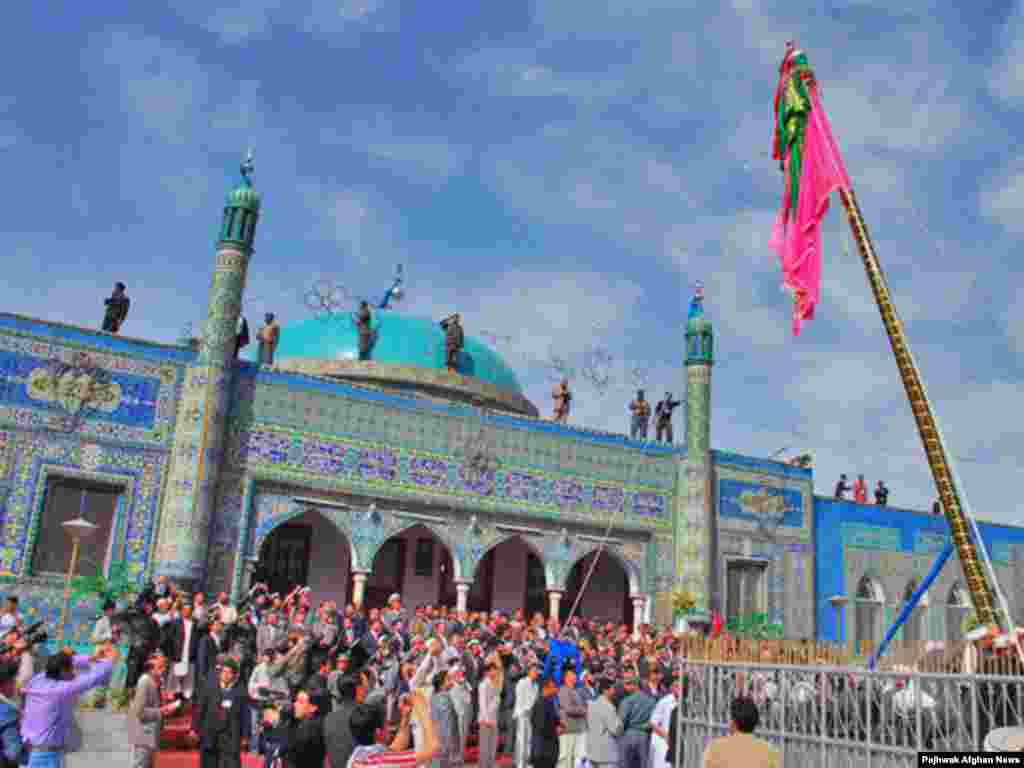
(606, 597)
(417, 565)
(308, 550)
(868, 603)
(509, 577)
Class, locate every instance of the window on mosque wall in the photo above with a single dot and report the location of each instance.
(746, 589)
(65, 499)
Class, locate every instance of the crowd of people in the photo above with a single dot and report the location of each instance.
(302, 684)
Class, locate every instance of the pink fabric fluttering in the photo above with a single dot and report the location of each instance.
(796, 236)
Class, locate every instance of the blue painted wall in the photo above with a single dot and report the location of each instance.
(908, 531)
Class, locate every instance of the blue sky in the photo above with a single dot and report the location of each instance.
(561, 173)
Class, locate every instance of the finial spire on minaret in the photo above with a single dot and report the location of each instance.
(697, 302)
(247, 168)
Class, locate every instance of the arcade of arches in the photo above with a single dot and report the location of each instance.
(310, 550)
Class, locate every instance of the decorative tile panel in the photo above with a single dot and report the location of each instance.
(871, 537)
(374, 466)
(144, 391)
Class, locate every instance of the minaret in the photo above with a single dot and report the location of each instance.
(695, 550)
(199, 439)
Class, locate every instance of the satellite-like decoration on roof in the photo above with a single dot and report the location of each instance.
(697, 302)
(327, 298)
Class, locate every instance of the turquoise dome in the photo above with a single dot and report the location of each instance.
(401, 340)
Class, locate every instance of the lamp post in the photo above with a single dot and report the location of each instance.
(79, 528)
(838, 602)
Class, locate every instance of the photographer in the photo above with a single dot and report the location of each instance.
(50, 699)
(18, 649)
(298, 730)
(11, 747)
(370, 735)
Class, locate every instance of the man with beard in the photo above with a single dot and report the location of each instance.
(220, 719)
(635, 712)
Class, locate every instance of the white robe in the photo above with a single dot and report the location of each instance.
(526, 697)
(661, 717)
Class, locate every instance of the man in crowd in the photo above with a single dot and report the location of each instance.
(573, 711)
(740, 747)
(50, 698)
(300, 739)
(351, 691)
(527, 691)
(219, 719)
(446, 724)
(635, 711)
(146, 712)
(370, 734)
(487, 719)
(544, 726)
(603, 728)
(12, 748)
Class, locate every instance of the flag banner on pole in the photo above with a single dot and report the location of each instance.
(810, 161)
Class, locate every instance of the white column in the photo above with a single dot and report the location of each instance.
(638, 612)
(359, 587)
(554, 602)
(461, 596)
(649, 610)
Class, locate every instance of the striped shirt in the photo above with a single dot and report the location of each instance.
(377, 755)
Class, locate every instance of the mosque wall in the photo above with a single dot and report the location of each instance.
(336, 439)
(763, 514)
(84, 406)
(895, 549)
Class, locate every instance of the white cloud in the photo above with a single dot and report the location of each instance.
(1006, 75)
(362, 228)
(423, 157)
(1001, 199)
(160, 83)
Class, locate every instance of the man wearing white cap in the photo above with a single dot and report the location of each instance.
(394, 611)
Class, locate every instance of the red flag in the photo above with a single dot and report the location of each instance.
(809, 157)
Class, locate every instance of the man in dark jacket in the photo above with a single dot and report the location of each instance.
(222, 711)
(301, 739)
(351, 690)
(544, 722)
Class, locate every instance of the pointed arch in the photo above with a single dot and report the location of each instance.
(958, 608)
(632, 572)
(306, 547)
(914, 630)
(867, 614)
(606, 596)
(415, 559)
(531, 547)
(270, 525)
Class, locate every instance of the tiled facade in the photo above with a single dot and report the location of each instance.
(212, 455)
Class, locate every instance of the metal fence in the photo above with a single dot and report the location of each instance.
(844, 717)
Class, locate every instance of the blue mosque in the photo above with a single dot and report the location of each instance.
(366, 474)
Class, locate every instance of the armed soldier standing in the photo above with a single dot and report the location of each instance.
(663, 417)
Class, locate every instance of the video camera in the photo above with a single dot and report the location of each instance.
(32, 637)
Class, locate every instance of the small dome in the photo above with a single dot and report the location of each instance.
(244, 196)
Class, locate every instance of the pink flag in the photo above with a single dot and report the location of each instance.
(814, 170)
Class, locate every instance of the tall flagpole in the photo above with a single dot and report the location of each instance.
(938, 456)
(809, 157)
